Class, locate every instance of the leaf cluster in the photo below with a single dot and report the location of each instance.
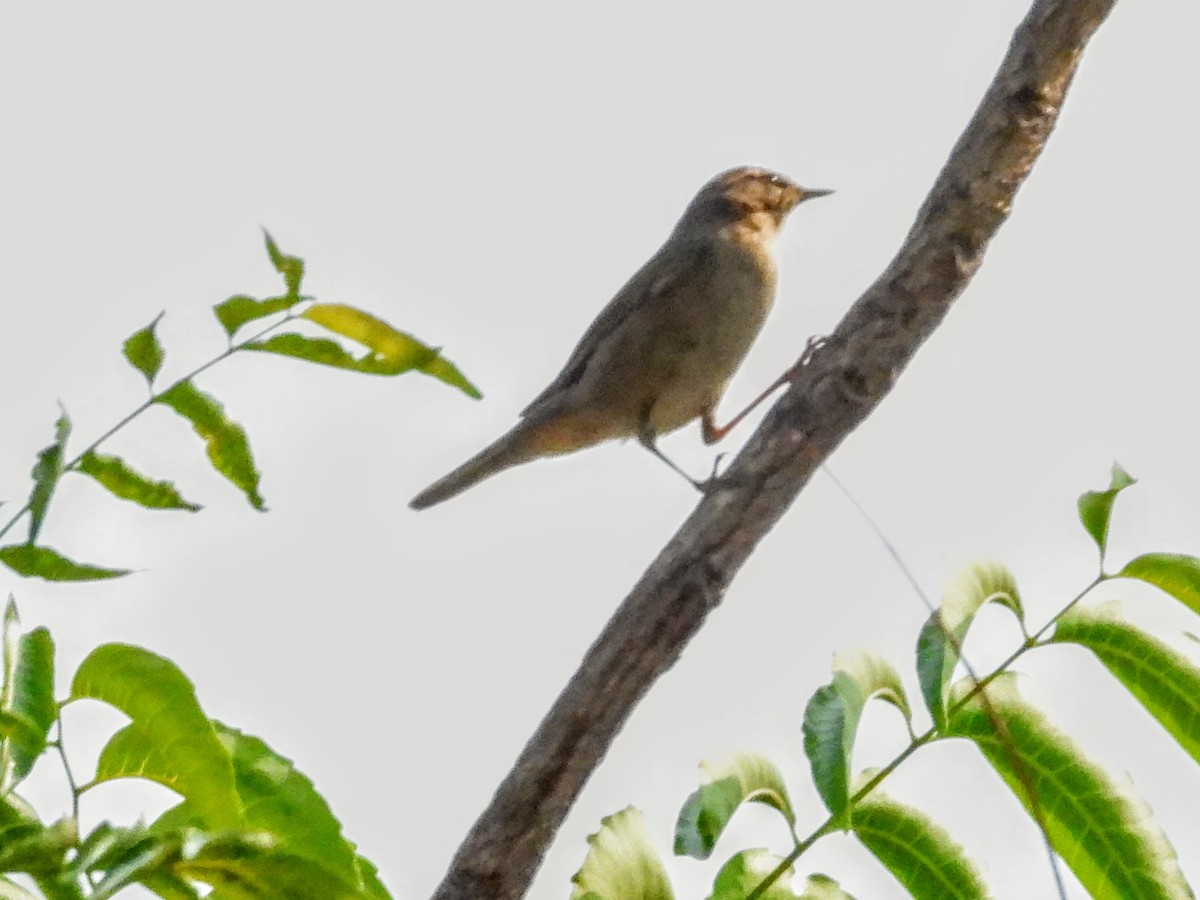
(249, 825)
(388, 351)
(1091, 820)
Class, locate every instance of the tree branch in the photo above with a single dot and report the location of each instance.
(839, 387)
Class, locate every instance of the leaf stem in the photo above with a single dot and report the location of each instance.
(57, 744)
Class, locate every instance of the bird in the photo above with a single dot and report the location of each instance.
(661, 353)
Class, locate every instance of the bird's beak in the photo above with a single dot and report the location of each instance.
(810, 193)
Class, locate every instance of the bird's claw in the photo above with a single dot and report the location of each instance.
(811, 347)
(709, 484)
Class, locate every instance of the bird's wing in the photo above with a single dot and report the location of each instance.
(665, 273)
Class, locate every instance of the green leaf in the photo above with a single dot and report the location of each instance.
(45, 474)
(444, 370)
(144, 352)
(368, 877)
(1095, 507)
(27, 698)
(39, 850)
(391, 351)
(105, 847)
(831, 723)
(169, 739)
(240, 309)
(16, 816)
(1098, 826)
(1174, 573)
(251, 867)
(143, 859)
(290, 267)
(113, 858)
(621, 863)
(123, 481)
(921, 854)
(170, 886)
(328, 353)
(744, 778)
(940, 642)
(11, 891)
(42, 562)
(225, 441)
(746, 871)
(1165, 682)
(822, 887)
(280, 801)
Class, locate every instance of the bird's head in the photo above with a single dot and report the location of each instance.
(751, 197)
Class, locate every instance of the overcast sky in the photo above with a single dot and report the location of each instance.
(486, 177)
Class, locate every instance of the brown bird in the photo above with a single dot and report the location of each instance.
(662, 351)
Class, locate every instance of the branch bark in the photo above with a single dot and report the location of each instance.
(839, 387)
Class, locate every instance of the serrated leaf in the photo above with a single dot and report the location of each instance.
(1095, 507)
(169, 739)
(831, 723)
(280, 801)
(1174, 573)
(28, 698)
(290, 267)
(1098, 826)
(919, 853)
(391, 351)
(240, 309)
(225, 441)
(747, 870)
(1165, 682)
(941, 639)
(42, 562)
(46, 472)
(743, 778)
(123, 481)
(144, 351)
(621, 863)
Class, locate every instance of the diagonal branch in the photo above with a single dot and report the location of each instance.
(839, 387)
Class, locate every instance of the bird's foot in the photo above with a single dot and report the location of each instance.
(709, 484)
(811, 347)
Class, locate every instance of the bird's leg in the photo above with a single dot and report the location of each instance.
(646, 439)
(711, 432)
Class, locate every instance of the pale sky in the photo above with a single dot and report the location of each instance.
(486, 177)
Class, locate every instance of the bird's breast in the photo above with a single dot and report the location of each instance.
(714, 333)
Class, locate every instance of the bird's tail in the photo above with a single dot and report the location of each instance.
(511, 449)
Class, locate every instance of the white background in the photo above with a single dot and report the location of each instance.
(486, 176)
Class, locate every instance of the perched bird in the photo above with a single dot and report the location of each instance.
(660, 354)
